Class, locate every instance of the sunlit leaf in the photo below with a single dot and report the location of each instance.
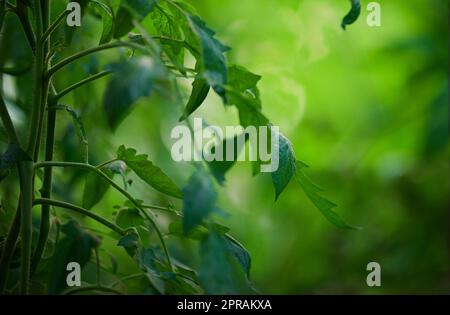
(286, 164)
(148, 172)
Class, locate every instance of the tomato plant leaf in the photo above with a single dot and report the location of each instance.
(286, 164)
(76, 246)
(148, 172)
(130, 81)
(130, 242)
(352, 15)
(106, 12)
(129, 10)
(322, 204)
(219, 271)
(199, 199)
(200, 89)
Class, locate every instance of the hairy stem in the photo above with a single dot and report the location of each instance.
(118, 188)
(69, 206)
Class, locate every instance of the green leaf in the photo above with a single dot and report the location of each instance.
(129, 10)
(95, 187)
(130, 242)
(105, 11)
(75, 247)
(219, 271)
(322, 204)
(148, 172)
(200, 89)
(212, 62)
(242, 91)
(286, 167)
(11, 156)
(199, 199)
(166, 23)
(219, 168)
(130, 81)
(352, 15)
(240, 253)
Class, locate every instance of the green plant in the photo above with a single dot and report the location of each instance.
(37, 49)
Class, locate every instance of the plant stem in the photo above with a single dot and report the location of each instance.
(46, 191)
(8, 249)
(91, 288)
(53, 26)
(118, 188)
(80, 83)
(69, 206)
(26, 189)
(87, 52)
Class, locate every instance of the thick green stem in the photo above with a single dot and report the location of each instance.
(46, 191)
(26, 204)
(118, 188)
(69, 206)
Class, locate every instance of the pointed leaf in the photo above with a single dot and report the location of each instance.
(352, 15)
(200, 89)
(148, 172)
(322, 204)
(286, 167)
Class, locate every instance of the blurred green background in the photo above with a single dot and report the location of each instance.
(367, 109)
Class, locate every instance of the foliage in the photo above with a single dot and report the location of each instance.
(150, 63)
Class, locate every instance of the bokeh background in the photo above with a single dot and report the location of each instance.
(366, 108)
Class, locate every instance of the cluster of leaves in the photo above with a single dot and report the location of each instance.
(167, 32)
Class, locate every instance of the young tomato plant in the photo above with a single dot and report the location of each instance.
(144, 44)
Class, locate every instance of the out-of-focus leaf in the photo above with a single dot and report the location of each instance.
(70, 30)
(148, 172)
(129, 10)
(240, 252)
(200, 89)
(199, 199)
(286, 164)
(11, 156)
(219, 168)
(130, 81)
(75, 247)
(105, 11)
(352, 15)
(219, 271)
(322, 204)
(130, 242)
